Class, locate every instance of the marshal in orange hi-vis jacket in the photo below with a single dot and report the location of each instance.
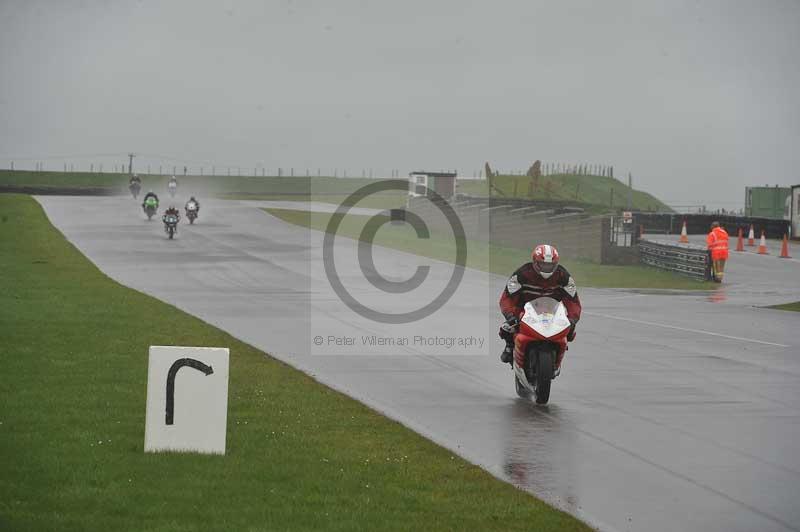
(717, 241)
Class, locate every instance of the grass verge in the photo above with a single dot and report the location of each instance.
(493, 258)
(223, 185)
(794, 307)
(300, 456)
(374, 201)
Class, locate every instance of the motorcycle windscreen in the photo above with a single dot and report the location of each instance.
(546, 316)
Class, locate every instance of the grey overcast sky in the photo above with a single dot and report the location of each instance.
(696, 98)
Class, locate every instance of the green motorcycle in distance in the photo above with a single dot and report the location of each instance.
(150, 206)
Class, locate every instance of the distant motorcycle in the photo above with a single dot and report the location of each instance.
(191, 211)
(135, 188)
(173, 188)
(150, 207)
(171, 223)
(543, 331)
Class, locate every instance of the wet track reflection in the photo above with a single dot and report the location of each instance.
(539, 452)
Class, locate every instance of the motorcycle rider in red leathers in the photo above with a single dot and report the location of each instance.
(542, 277)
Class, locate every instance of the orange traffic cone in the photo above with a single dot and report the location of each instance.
(785, 248)
(751, 238)
(684, 239)
(762, 246)
(740, 241)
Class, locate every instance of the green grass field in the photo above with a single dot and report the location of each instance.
(242, 185)
(374, 201)
(493, 258)
(300, 456)
(794, 307)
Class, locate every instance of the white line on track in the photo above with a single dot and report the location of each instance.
(698, 331)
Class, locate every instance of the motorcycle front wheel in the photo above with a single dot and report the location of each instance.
(544, 375)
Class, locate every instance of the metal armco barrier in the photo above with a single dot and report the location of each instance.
(700, 224)
(685, 259)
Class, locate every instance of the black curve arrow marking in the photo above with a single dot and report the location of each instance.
(173, 371)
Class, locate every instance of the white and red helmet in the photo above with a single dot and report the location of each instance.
(545, 260)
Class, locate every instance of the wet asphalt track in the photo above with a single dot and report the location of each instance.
(674, 412)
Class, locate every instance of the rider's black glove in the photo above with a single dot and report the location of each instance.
(509, 327)
(571, 333)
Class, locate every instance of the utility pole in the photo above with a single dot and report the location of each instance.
(630, 192)
(130, 162)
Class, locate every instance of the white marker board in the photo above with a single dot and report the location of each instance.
(187, 399)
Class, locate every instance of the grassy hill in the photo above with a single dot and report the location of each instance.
(592, 190)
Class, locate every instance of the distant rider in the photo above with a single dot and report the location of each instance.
(172, 211)
(196, 204)
(542, 277)
(135, 179)
(150, 194)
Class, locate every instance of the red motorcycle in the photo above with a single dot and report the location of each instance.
(542, 336)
